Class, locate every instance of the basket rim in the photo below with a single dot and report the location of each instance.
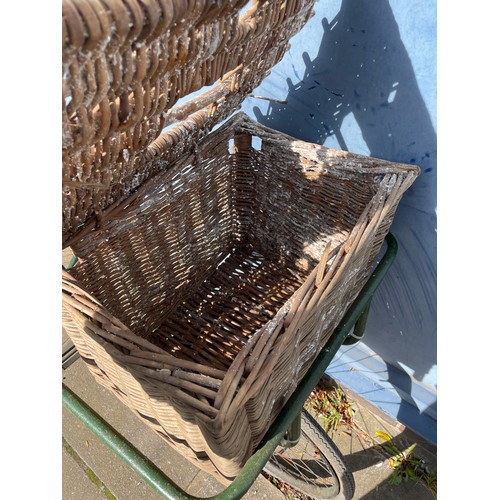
(239, 122)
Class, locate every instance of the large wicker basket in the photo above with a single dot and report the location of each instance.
(209, 280)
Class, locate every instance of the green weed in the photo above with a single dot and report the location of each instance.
(332, 406)
(406, 465)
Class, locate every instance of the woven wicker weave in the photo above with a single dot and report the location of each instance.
(212, 266)
(126, 63)
(206, 297)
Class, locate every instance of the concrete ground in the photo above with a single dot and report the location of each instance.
(90, 470)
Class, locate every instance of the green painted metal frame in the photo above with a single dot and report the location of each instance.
(163, 485)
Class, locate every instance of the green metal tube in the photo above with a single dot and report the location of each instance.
(148, 471)
(253, 467)
(292, 434)
(358, 331)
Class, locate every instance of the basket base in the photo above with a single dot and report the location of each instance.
(241, 296)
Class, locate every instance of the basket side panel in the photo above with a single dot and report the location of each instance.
(145, 262)
(300, 206)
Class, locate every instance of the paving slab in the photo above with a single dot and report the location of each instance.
(76, 485)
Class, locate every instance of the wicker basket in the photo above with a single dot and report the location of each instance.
(209, 280)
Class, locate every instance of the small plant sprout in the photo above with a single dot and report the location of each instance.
(332, 406)
(406, 465)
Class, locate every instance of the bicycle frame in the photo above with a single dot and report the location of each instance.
(286, 420)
